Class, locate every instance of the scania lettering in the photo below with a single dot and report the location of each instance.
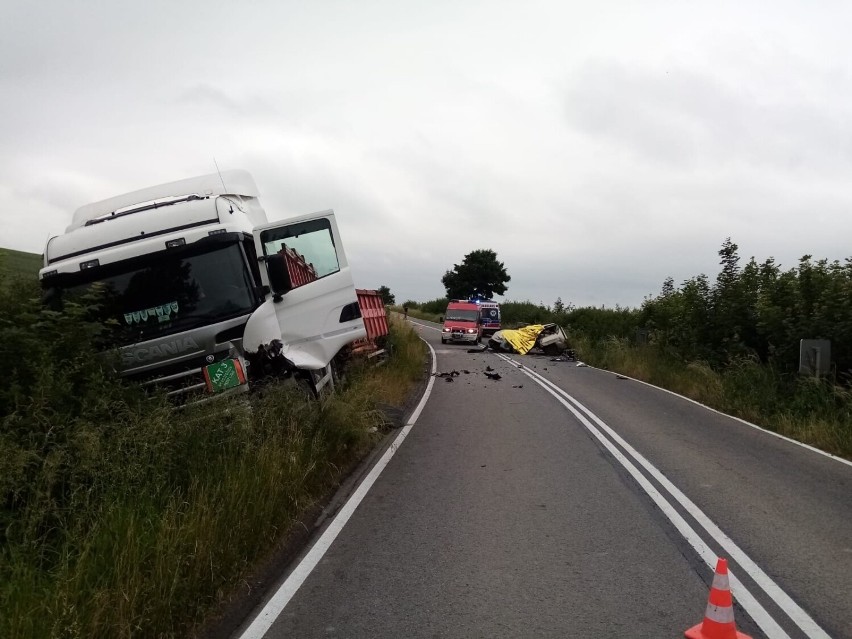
(200, 288)
(140, 355)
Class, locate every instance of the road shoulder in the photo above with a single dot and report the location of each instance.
(248, 595)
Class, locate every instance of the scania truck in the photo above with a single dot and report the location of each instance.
(203, 292)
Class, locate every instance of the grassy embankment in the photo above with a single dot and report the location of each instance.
(18, 263)
(120, 517)
(418, 314)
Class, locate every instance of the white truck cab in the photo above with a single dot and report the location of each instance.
(201, 291)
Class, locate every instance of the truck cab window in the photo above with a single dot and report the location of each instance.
(308, 248)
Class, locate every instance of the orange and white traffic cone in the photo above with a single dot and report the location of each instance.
(719, 618)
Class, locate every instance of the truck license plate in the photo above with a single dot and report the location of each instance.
(223, 375)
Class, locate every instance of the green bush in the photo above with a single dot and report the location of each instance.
(517, 314)
(435, 307)
(757, 310)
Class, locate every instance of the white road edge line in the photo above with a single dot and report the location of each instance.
(431, 328)
(275, 606)
(738, 419)
(801, 618)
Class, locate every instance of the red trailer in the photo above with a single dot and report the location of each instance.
(375, 321)
(373, 312)
(300, 271)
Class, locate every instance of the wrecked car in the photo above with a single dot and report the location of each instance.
(549, 339)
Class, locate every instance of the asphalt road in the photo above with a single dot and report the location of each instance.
(563, 501)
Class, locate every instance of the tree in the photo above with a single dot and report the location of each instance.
(561, 308)
(479, 275)
(388, 298)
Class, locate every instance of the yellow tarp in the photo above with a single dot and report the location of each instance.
(523, 339)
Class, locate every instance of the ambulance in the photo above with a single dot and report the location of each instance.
(489, 311)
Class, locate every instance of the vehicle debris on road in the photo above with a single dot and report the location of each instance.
(569, 355)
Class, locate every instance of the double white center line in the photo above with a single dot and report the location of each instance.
(629, 459)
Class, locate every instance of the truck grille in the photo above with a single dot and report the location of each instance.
(182, 382)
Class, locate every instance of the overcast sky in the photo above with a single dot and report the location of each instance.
(598, 148)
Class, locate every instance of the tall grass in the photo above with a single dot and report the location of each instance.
(120, 517)
(420, 313)
(393, 381)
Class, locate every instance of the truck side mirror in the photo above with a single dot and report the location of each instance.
(440, 319)
(279, 276)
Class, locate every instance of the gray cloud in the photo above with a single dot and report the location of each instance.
(682, 118)
(205, 95)
(598, 149)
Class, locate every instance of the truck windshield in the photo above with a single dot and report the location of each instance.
(461, 315)
(163, 293)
